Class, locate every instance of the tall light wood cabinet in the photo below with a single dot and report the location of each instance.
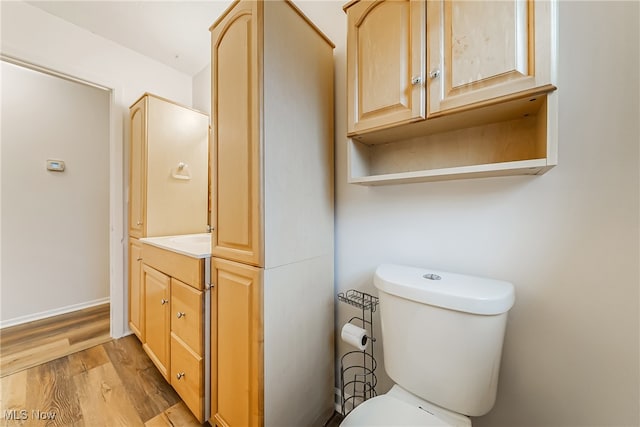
(272, 214)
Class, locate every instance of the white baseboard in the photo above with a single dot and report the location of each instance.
(50, 313)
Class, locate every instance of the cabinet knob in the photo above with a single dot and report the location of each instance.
(434, 74)
(138, 222)
(180, 375)
(180, 314)
(163, 301)
(416, 80)
(139, 259)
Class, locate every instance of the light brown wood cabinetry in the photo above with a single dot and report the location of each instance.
(175, 318)
(169, 180)
(387, 52)
(480, 89)
(272, 213)
(481, 51)
(136, 292)
(157, 298)
(235, 154)
(168, 195)
(236, 318)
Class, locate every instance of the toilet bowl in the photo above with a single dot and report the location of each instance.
(399, 408)
(442, 343)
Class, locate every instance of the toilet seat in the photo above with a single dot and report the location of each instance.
(400, 408)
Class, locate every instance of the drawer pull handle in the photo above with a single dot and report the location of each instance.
(163, 301)
(180, 375)
(180, 314)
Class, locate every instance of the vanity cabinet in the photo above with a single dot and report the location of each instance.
(449, 89)
(175, 287)
(136, 294)
(272, 214)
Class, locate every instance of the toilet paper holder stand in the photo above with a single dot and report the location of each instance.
(357, 368)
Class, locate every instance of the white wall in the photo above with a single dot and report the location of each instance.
(55, 224)
(202, 90)
(34, 36)
(568, 240)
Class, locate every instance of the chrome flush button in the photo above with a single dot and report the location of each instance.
(432, 276)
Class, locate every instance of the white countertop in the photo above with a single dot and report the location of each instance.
(193, 245)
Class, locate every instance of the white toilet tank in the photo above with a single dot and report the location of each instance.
(442, 334)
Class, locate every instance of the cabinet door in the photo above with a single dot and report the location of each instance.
(483, 50)
(156, 289)
(386, 55)
(235, 154)
(136, 291)
(138, 168)
(236, 344)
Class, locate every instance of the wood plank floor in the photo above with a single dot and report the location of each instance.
(67, 371)
(34, 343)
(109, 385)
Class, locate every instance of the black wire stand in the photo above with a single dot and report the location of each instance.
(357, 368)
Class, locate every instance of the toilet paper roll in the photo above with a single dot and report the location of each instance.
(357, 337)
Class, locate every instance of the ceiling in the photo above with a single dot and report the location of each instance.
(175, 33)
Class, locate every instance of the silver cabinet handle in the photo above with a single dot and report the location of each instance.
(163, 301)
(180, 375)
(434, 74)
(180, 314)
(416, 80)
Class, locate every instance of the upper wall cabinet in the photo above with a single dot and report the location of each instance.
(447, 89)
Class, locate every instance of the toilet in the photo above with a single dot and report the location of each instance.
(442, 343)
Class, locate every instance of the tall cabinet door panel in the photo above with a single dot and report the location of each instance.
(235, 154)
(386, 63)
(237, 344)
(157, 300)
(138, 168)
(479, 51)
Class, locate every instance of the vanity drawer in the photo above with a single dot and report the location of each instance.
(187, 314)
(187, 376)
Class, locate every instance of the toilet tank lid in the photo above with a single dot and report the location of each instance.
(454, 291)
